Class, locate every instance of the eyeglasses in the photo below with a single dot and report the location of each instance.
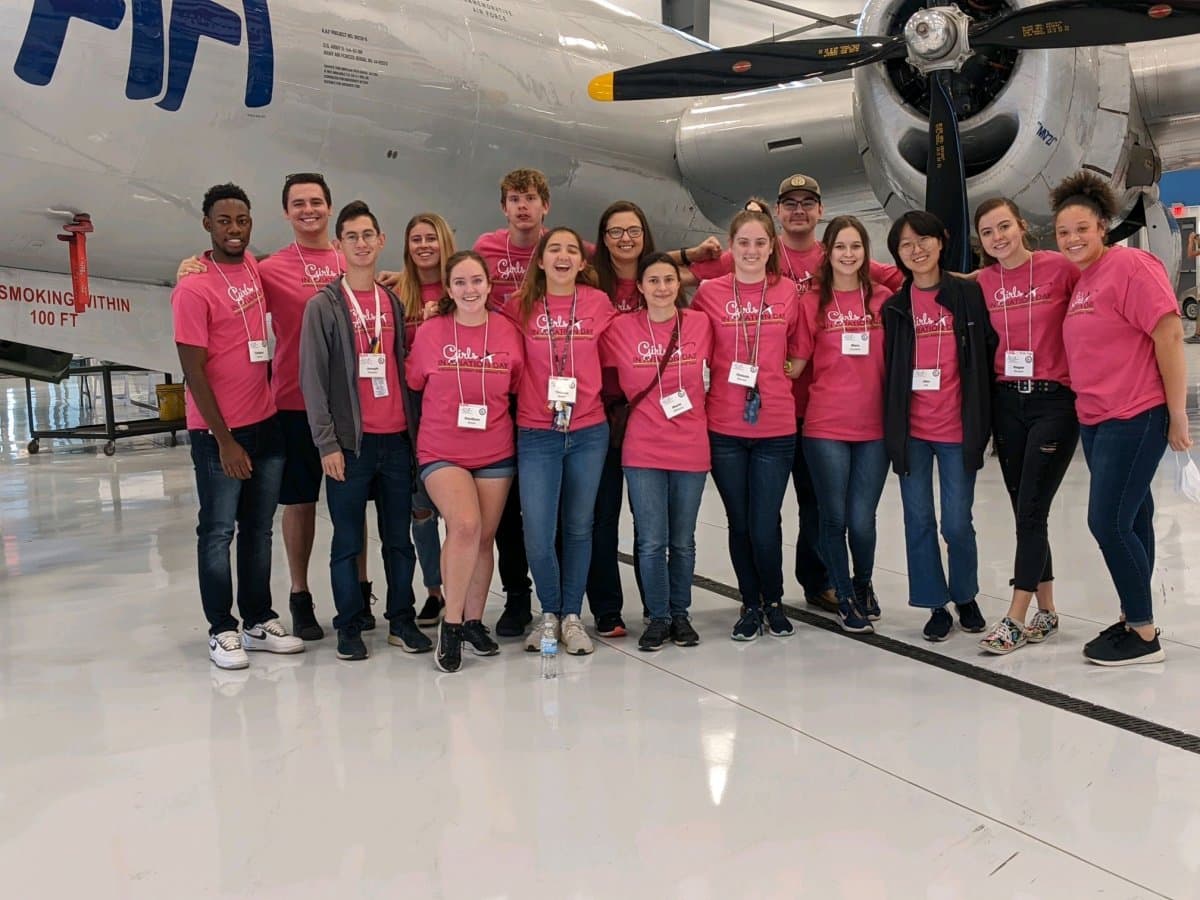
(808, 205)
(353, 237)
(634, 231)
(925, 241)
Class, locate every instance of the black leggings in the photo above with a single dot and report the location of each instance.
(1035, 435)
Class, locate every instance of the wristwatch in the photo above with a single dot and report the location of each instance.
(683, 257)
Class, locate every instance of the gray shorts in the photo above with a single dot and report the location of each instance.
(504, 468)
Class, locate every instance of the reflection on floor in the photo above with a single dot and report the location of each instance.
(813, 766)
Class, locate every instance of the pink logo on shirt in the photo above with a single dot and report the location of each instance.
(581, 328)
(496, 361)
(1081, 303)
(510, 270)
(849, 319)
(317, 275)
(803, 282)
(749, 311)
(1004, 296)
(651, 353)
(926, 325)
(243, 297)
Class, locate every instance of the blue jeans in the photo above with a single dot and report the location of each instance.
(848, 477)
(665, 506)
(384, 460)
(249, 504)
(428, 539)
(926, 578)
(810, 568)
(751, 475)
(1123, 455)
(556, 468)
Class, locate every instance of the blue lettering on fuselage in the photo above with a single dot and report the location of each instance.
(154, 52)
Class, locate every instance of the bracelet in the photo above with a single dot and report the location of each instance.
(683, 257)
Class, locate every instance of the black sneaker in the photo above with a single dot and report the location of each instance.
(1111, 633)
(682, 632)
(350, 644)
(479, 636)
(852, 618)
(610, 625)
(970, 617)
(304, 621)
(431, 612)
(939, 625)
(408, 637)
(749, 625)
(777, 623)
(516, 616)
(826, 601)
(868, 603)
(449, 647)
(1125, 649)
(366, 618)
(657, 633)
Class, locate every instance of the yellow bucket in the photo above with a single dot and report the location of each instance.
(170, 402)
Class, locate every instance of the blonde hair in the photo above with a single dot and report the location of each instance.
(745, 217)
(410, 280)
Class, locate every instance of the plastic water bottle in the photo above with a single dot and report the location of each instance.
(549, 656)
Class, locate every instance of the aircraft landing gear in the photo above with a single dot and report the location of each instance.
(110, 448)
(33, 447)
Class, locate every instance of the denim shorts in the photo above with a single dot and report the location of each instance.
(504, 468)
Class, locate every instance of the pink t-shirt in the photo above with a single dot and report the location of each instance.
(1118, 302)
(1007, 292)
(936, 415)
(633, 347)
(222, 310)
(380, 415)
(290, 278)
(801, 266)
(485, 363)
(846, 399)
(577, 346)
(507, 264)
(733, 321)
(627, 296)
(429, 293)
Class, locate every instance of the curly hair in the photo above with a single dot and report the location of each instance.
(1086, 189)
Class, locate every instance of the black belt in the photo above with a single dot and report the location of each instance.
(1029, 386)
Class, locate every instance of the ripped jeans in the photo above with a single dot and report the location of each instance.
(1035, 436)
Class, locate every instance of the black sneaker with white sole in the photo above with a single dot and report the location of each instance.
(683, 633)
(479, 636)
(970, 617)
(408, 637)
(749, 625)
(777, 622)
(1108, 634)
(1125, 649)
(431, 612)
(939, 625)
(350, 644)
(657, 633)
(448, 657)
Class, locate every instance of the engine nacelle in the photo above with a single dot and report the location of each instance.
(1027, 119)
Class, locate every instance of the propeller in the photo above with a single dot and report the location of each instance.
(936, 41)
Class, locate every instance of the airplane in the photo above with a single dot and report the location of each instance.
(128, 110)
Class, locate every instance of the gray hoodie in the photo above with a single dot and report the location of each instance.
(329, 371)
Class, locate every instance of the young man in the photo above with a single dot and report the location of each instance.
(237, 446)
(289, 278)
(352, 377)
(525, 202)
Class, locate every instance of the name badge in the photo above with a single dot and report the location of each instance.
(676, 404)
(372, 365)
(927, 380)
(472, 416)
(379, 387)
(259, 351)
(561, 390)
(744, 374)
(1018, 363)
(856, 343)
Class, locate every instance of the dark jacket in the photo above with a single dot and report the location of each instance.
(977, 343)
(329, 371)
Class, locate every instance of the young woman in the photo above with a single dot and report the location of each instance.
(755, 319)
(938, 351)
(428, 243)
(1124, 344)
(624, 236)
(466, 361)
(843, 426)
(1034, 426)
(562, 437)
(658, 356)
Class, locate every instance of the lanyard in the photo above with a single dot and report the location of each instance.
(241, 306)
(916, 350)
(1028, 305)
(377, 344)
(679, 350)
(558, 364)
(482, 364)
(866, 316)
(762, 305)
(313, 281)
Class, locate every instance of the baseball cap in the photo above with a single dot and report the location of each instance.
(800, 183)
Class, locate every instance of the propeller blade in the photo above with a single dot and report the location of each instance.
(1131, 224)
(743, 68)
(1088, 23)
(945, 178)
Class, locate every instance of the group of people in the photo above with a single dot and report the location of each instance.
(515, 390)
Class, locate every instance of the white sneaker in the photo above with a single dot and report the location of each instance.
(575, 637)
(225, 650)
(272, 637)
(549, 626)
